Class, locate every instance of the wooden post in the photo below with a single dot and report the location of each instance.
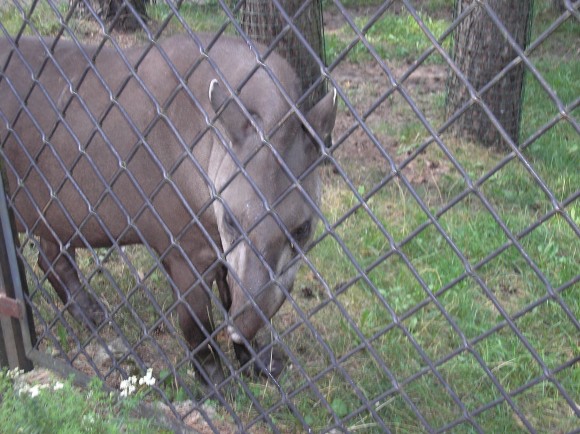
(16, 325)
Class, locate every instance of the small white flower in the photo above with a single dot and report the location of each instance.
(128, 386)
(58, 385)
(34, 391)
(89, 418)
(14, 373)
(148, 379)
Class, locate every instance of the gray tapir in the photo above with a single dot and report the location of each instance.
(103, 148)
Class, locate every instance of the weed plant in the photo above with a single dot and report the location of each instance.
(61, 408)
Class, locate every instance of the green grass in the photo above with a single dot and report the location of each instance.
(44, 18)
(394, 38)
(199, 18)
(63, 408)
(553, 152)
(553, 247)
(381, 309)
(206, 17)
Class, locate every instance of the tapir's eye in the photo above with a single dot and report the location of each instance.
(230, 223)
(302, 233)
(257, 120)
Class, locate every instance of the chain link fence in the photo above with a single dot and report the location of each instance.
(439, 290)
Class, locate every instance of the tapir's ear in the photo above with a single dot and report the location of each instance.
(232, 118)
(322, 116)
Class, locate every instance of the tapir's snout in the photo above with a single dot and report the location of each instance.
(258, 289)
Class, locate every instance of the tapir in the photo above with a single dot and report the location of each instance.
(190, 146)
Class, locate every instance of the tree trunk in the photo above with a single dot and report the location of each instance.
(559, 5)
(481, 52)
(262, 21)
(126, 20)
(115, 12)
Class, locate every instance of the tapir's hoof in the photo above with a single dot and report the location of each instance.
(87, 311)
(271, 363)
(212, 379)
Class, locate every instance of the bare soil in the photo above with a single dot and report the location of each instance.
(375, 143)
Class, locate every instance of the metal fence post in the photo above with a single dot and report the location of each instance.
(15, 332)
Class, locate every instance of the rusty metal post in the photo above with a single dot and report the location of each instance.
(16, 327)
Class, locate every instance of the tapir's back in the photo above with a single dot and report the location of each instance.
(69, 140)
(95, 136)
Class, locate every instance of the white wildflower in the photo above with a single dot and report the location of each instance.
(88, 419)
(14, 373)
(34, 391)
(57, 386)
(148, 379)
(128, 386)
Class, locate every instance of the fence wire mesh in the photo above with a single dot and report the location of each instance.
(440, 291)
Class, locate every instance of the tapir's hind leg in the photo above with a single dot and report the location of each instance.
(63, 277)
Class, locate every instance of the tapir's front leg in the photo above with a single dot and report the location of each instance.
(62, 274)
(196, 324)
(271, 361)
(195, 318)
(223, 287)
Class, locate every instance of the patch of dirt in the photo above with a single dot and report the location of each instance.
(366, 84)
(373, 142)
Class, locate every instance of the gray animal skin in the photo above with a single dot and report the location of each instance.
(81, 174)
